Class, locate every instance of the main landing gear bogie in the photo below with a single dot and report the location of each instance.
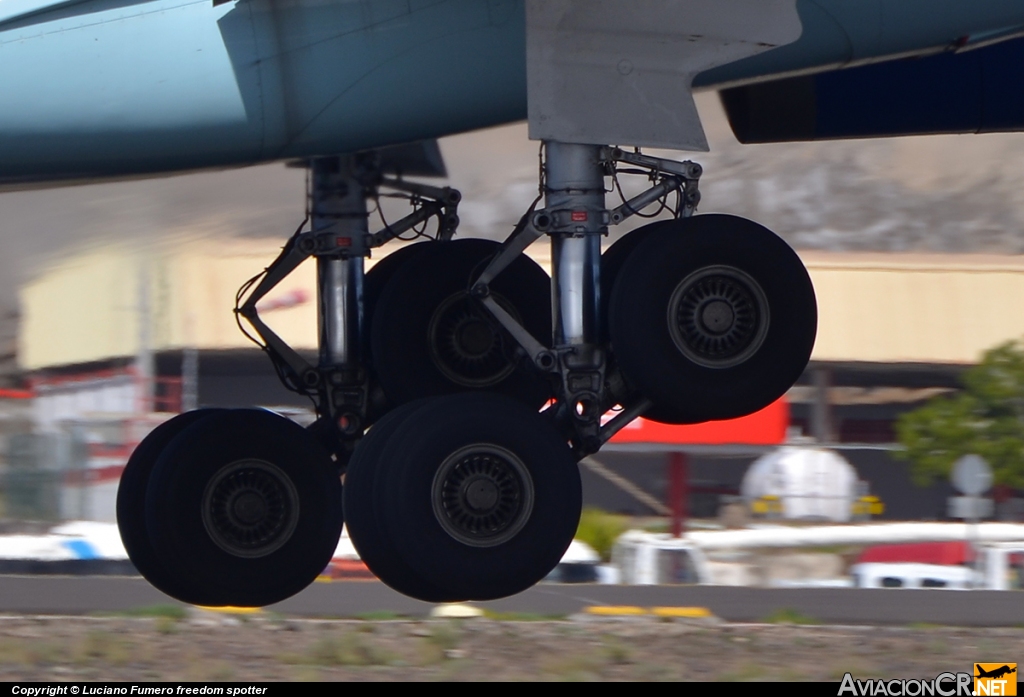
(457, 385)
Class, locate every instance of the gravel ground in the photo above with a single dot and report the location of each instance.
(208, 647)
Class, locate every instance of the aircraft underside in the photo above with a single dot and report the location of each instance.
(456, 385)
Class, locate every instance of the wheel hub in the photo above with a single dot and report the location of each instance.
(250, 508)
(465, 344)
(718, 316)
(482, 495)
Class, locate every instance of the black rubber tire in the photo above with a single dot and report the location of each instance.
(377, 277)
(612, 260)
(417, 450)
(362, 509)
(252, 438)
(131, 508)
(408, 361)
(683, 390)
(375, 282)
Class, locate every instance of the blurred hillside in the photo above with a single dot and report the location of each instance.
(958, 194)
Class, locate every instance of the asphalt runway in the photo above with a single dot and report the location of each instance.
(73, 595)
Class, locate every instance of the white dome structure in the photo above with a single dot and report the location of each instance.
(810, 483)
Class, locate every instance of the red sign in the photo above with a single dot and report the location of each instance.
(765, 427)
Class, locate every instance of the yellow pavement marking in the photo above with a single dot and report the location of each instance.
(615, 610)
(232, 610)
(634, 610)
(681, 612)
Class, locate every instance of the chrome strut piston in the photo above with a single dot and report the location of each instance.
(574, 200)
(338, 217)
(577, 219)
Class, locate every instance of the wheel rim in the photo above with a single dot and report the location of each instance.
(718, 316)
(250, 509)
(482, 495)
(465, 344)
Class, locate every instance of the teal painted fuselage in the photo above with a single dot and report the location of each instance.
(114, 88)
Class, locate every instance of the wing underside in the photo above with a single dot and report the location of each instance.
(618, 71)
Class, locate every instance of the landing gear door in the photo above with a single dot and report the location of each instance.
(620, 71)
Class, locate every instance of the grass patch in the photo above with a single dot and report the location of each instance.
(788, 615)
(444, 636)
(166, 625)
(171, 612)
(350, 649)
(23, 653)
(749, 672)
(615, 651)
(102, 646)
(378, 616)
(579, 667)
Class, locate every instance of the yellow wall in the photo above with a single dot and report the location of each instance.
(85, 309)
(88, 308)
(915, 308)
(872, 307)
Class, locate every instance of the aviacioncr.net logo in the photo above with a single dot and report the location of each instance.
(943, 685)
(995, 679)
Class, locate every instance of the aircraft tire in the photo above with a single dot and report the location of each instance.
(247, 504)
(712, 317)
(131, 509)
(380, 273)
(429, 338)
(480, 495)
(613, 259)
(374, 283)
(363, 513)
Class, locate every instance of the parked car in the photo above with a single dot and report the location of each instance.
(913, 575)
(579, 564)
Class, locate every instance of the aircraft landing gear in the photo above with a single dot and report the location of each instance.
(463, 489)
(696, 318)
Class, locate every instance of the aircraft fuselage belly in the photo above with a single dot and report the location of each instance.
(109, 88)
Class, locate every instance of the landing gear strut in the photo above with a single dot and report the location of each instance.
(339, 239)
(575, 218)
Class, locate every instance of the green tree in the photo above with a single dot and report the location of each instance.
(600, 529)
(986, 418)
